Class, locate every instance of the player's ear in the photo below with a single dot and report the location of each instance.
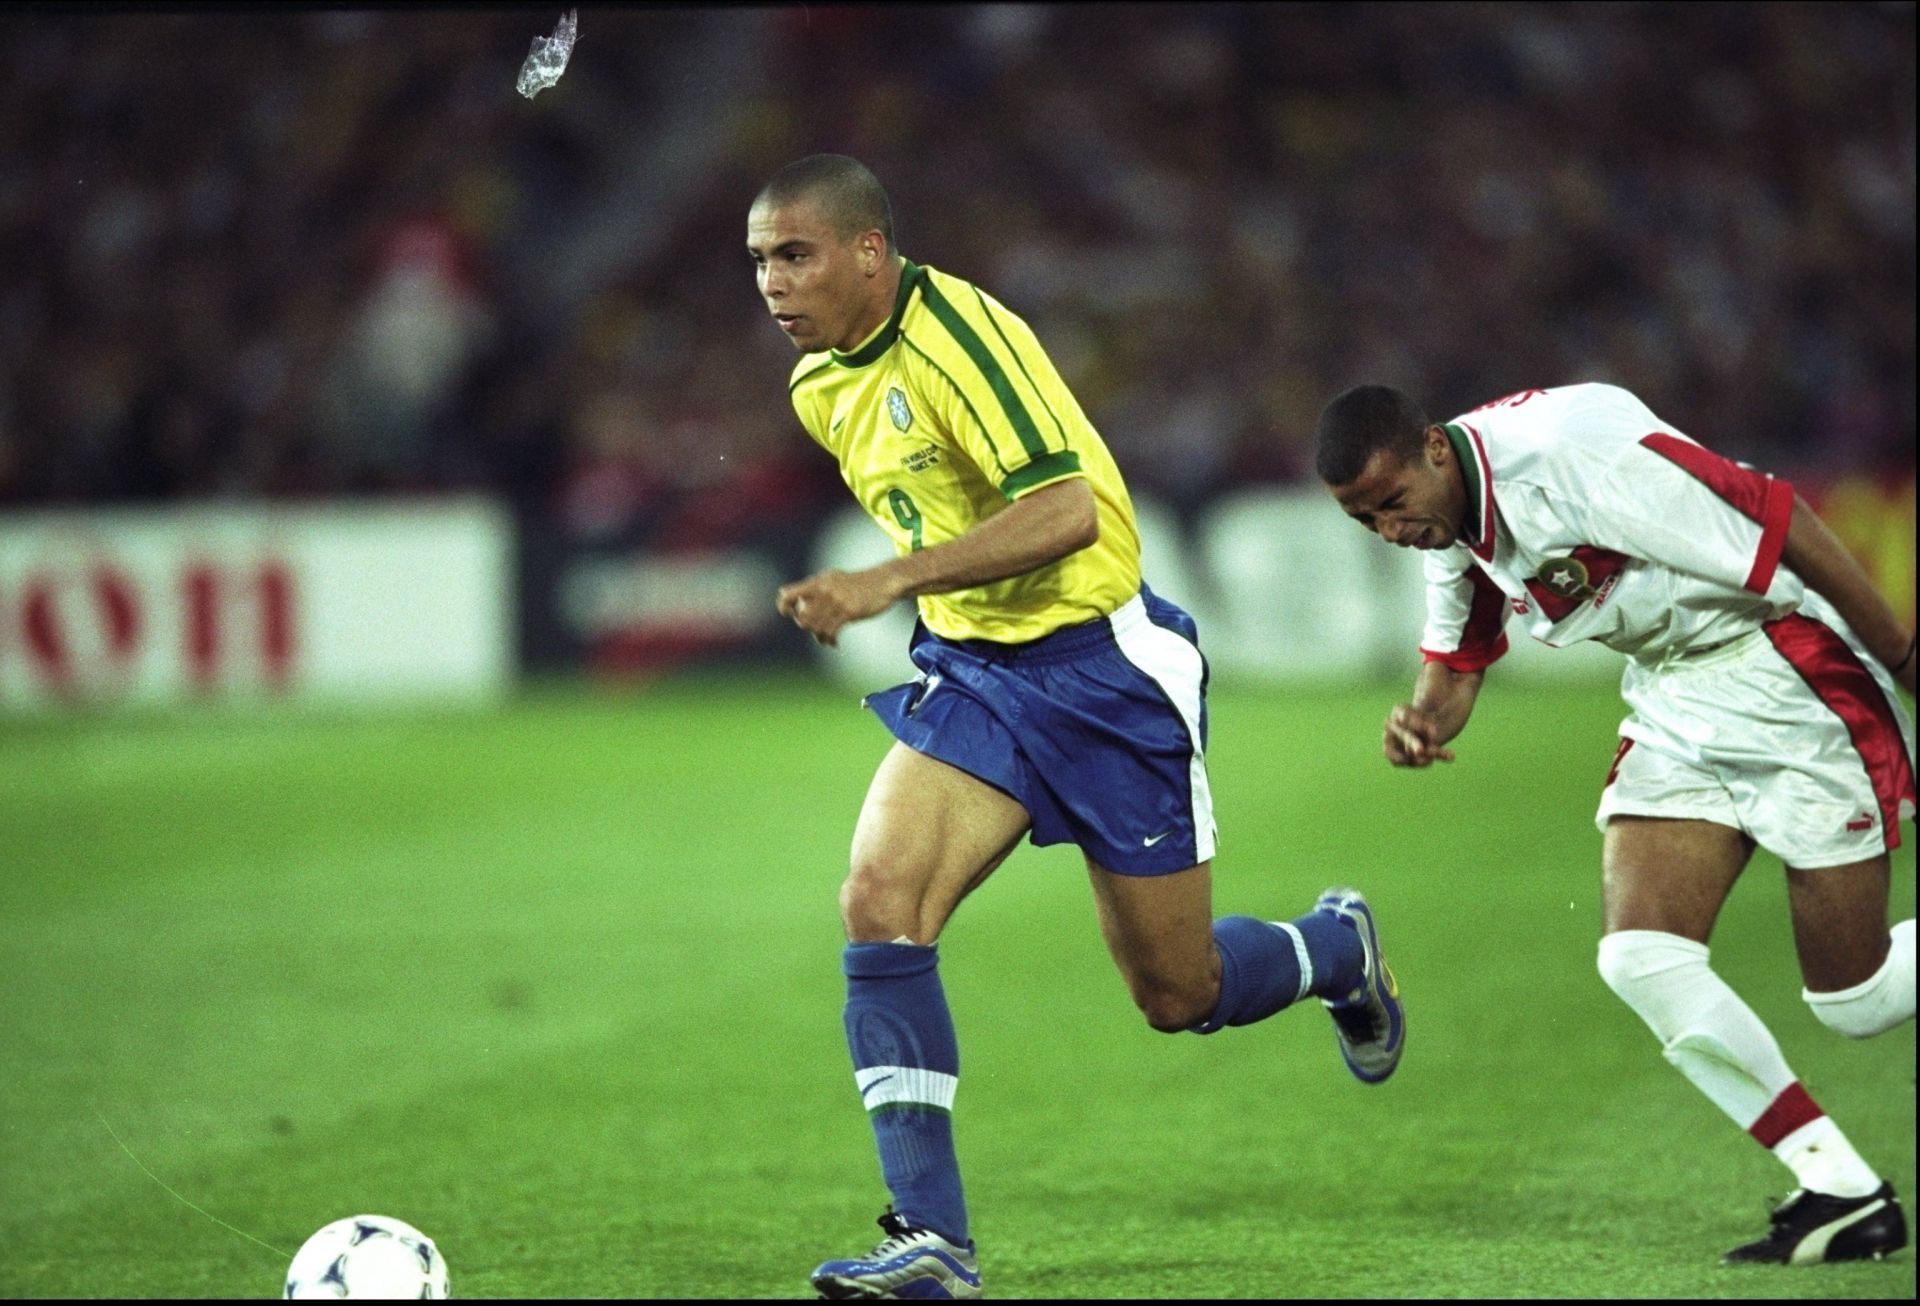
(873, 252)
(1439, 447)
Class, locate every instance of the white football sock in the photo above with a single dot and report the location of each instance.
(1715, 1040)
(1883, 1000)
(1824, 1161)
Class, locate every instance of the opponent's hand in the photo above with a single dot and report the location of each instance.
(1411, 738)
(827, 600)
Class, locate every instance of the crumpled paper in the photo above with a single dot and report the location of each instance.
(549, 56)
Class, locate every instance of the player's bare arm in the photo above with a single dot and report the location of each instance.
(1417, 732)
(1036, 529)
(1824, 563)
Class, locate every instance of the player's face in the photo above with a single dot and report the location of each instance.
(1418, 503)
(814, 282)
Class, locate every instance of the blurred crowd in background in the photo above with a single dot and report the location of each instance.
(262, 254)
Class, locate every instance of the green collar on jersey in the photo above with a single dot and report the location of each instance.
(1469, 476)
(882, 340)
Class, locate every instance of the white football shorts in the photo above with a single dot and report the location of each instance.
(1793, 734)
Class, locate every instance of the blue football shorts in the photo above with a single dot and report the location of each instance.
(1098, 730)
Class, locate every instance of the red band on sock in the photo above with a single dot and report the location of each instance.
(1787, 1113)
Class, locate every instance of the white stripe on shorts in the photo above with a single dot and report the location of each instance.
(1174, 665)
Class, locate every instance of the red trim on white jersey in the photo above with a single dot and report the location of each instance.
(1467, 662)
(1483, 640)
(1837, 677)
(1773, 535)
(1483, 547)
(1757, 496)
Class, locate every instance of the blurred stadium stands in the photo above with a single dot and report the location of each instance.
(268, 256)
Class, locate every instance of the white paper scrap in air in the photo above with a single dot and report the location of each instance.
(549, 56)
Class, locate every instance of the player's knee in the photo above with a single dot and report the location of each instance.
(1853, 1017)
(1640, 966)
(876, 907)
(1882, 1001)
(1172, 1008)
(1172, 1016)
(1619, 963)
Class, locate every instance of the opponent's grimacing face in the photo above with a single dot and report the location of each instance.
(814, 281)
(1416, 503)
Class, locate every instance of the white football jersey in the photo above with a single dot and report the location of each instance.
(1591, 518)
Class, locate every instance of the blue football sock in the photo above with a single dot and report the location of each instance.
(1267, 966)
(906, 1064)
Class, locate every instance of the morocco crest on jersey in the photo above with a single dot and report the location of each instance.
(1566, 577)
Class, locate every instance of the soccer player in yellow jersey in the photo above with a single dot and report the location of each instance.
(1058, 699)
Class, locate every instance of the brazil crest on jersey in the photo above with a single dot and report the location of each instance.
(943, 417)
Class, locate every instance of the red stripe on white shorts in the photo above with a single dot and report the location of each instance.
(1836, 675)
(1613, 772)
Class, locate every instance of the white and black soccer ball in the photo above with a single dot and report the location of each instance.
(368, 1256)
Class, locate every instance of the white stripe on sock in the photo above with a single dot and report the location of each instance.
(1822, 1159)
(879, 1085)
(1300, 951)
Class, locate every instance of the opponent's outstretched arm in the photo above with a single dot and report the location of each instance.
(1034, 530)
(1443, 699)
(1818, 557)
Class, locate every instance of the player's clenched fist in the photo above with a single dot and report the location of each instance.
(1410, 739)
(825, 601)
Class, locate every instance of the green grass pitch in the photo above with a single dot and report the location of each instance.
(560, 985)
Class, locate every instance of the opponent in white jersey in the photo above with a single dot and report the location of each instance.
(1763, 712)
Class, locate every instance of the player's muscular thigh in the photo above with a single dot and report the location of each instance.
(1840, 922)
(928, 834)
(1671, 876)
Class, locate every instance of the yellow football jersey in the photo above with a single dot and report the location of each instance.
(945, 415)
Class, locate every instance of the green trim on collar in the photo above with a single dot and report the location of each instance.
(911, 275)
(806, 376)
(1469, 476)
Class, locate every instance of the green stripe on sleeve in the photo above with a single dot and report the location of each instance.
(986, 311)
(1052, 467)
(997, 379)
(985, 431)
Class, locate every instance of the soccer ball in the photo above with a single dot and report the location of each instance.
(366, 1256)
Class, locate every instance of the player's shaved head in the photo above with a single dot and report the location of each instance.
(849, 197)
(1362, 422)
(820, 235)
